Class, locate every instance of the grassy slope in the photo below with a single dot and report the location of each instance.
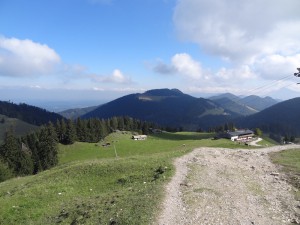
(290, 162)
(92, 186)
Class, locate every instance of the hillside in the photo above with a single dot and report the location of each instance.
(93, 186)
(19, 127)
(75, 113)
(244, 105)
(166, 107)
(235, 106)
(282, 118)
(258, 103)
(27, 113)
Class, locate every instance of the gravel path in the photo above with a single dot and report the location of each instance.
(226, 186)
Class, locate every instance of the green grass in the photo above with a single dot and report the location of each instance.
(290, 162)
(93, 186)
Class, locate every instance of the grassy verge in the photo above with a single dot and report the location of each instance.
(93, 186)
(290, 162)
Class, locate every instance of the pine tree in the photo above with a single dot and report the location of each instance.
(61, 129)
(70, 135)
(81, 130)
(32, 142)
(48, 148)
(17, 155)
(9, 149)
(114, 123)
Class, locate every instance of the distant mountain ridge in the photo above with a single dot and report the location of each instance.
(244, 105)
(77, 112)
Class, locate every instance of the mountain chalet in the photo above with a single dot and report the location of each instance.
(240, 135)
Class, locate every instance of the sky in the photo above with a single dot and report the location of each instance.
(98, 50)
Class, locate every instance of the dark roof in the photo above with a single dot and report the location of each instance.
(240, 133)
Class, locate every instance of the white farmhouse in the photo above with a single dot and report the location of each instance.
(139, 137)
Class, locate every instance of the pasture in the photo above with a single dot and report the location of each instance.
(118, 184)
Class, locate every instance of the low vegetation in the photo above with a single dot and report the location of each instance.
(290, 162)
(121, 183)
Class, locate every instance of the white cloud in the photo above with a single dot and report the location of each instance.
(22, 58)
(240, 29)
(187, 66)
(182, 64)
(235, 75)
(277, 66)
(116, 77)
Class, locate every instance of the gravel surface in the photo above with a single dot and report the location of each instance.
(229, 186)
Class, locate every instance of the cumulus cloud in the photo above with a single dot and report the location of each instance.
(116, 77)
(187, 66)
(277, 66)
(235, 74)
(182, 64)
(240, 29)
(22, 58)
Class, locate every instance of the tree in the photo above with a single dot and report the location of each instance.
(258, 132)
(145, 128)
(17, 155)
(32, 142)
(5, 171)
(114, 123)
(48, 148)
(70, 135)
(81, 130)
(9, 149)
(61, 129)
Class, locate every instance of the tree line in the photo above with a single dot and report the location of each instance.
(38, 151)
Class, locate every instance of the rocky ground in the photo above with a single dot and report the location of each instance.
(226, 186)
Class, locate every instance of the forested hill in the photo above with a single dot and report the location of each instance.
(167, 107)
(282, 118)
(30, 114)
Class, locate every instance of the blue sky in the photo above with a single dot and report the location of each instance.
(70, 50)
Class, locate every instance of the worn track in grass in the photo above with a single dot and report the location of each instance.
(226, 186)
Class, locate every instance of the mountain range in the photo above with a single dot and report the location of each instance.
(171, 107)
(174, 109)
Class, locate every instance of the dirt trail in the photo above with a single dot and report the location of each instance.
(226, 186)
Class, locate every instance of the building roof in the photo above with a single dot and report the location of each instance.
(240, 133)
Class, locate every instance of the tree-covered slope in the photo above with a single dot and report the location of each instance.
(166, 107)
(282, 118)
(18, 126)
(30, 114)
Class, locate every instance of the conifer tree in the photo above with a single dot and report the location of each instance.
(32, 142)
(17, 155)
(81, 130)
(70, 135)
(48, 148)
